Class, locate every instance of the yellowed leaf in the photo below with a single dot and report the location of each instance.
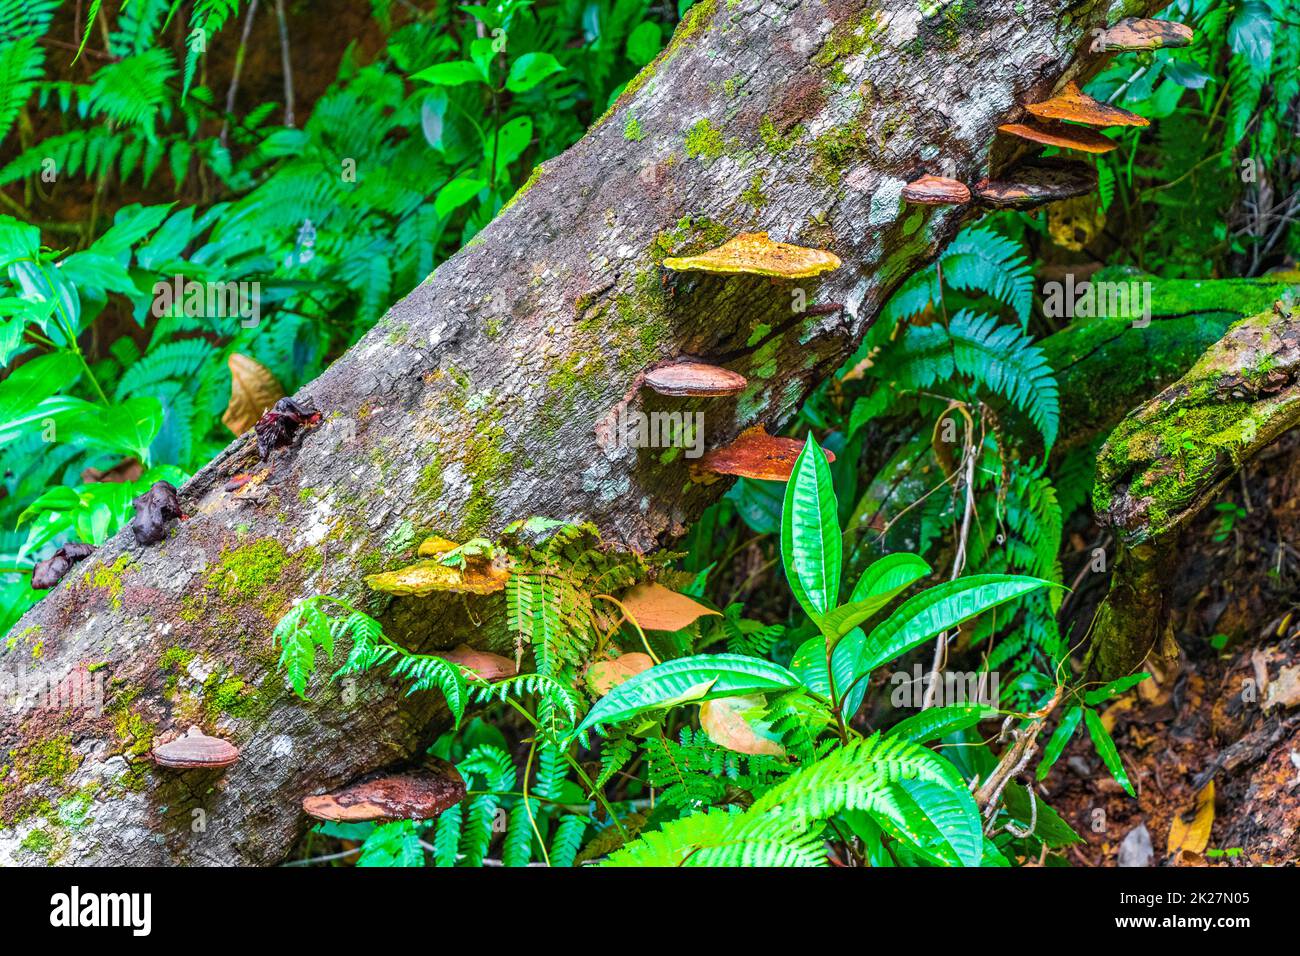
(657, 608)
(737, 724)
(604, 676)
(756, 254)
(1194, 836)
(253, 389)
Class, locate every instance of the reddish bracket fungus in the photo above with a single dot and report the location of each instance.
(195, 750)
(755, 253)
(418, 795)
(50, 572)
(936, 191)
(1036, 182)
(695, 379)
(1078, 107)
(1066, 137)
(278, 426)
(153, 510)
(754, 454)
(1135, 33)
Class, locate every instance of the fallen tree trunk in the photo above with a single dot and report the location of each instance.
(474, 402)
(1168, 459)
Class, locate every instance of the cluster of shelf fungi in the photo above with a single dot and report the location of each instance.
(1069, 121)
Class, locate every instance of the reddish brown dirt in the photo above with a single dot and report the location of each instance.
(1237, 622)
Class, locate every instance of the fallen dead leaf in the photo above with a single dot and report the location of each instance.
(657, 608)
(737, 724)
(604, 676)
(1193, 836)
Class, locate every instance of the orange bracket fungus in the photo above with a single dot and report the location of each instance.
(195, 750)
(695, 379)
(419, 795)
(1066, 137)
(1135, 33)
(480, 664)
(1037, 182)
(1078, 107)
(754, 253)
(754, 454)
(936, 191)
(657, 608)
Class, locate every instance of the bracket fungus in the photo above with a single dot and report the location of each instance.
(195, 750)
(687, 379)
(1058, 134)
(657, 608)
(754, 253)
(936, 191)
(278, 425)
(754, 454)
(1036, 182)
(50, 572)
(1078, 107)
(425, 577)
(1136, 33)
(153, 509)
(418, 795)
(480, 664)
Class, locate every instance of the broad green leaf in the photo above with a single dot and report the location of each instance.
(454, 73)
(811, 545)
(512, 139)
(878, 585)
(125, 427)
(529, 70)
(936, 722)
(685, 680)
(941, 822)
(643, 43)
(940, 609)
(1114, 688)
(1056, 745)
(1106, 749)
(1050, 828)
(456, 193)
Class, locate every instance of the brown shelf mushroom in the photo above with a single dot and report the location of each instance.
(936, 191)
(1078, 107)
(419, 795)
(695, 379)
(1135, 33)
(756, 254)
(754, 454)
(1036, 182)
(195, 750)
(480, 664)
(1058, 134)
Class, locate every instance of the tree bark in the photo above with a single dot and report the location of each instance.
(474, 402)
